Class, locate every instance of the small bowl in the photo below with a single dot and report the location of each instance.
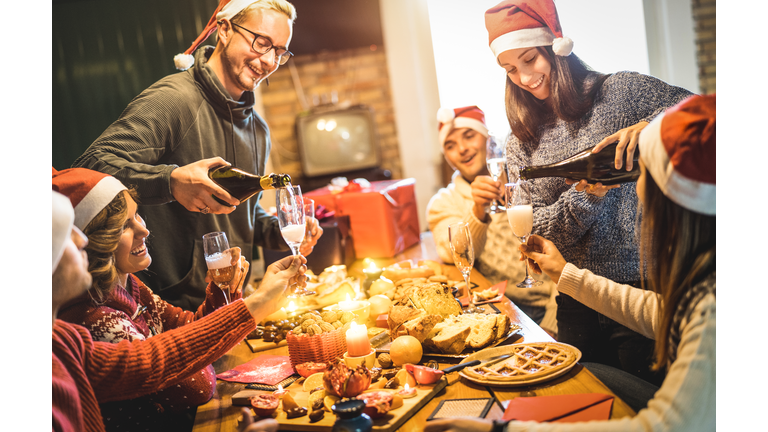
(424, 375)
(309, 368)
(369, 358)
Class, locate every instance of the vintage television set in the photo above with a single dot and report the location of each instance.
(338, 141)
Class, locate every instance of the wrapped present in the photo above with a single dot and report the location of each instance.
(382, 214)
(334, 247)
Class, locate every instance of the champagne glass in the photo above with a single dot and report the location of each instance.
(218, 258)
(462, 249)
(290, 216)
(494, 157)
(309, 215)
(520, 215)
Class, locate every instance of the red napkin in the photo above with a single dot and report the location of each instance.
(560, 408)
(264, 369)
(500, 287)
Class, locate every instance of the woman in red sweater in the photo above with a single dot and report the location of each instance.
(85, 372)
(120, 307)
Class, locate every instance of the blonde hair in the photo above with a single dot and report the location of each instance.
(104, 232)
(678, 247)
(281, 6)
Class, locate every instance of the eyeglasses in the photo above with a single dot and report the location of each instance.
(262, 45)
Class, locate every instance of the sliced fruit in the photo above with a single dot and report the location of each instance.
(313, 381)
(329, 401)
(289, 403)
(378, 384)
(406, 378)
(320, 394)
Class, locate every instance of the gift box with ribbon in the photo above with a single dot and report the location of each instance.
(383, 214)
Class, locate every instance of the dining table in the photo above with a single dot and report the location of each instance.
(219, 414)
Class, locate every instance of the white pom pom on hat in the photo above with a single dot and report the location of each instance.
(514, 24)
(445, 115)
(226, 9)
(63, 217)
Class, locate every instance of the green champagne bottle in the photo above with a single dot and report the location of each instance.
(592, 167)
(243, 185)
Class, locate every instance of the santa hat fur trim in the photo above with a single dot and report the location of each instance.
(89, 191)
(516, 24)
(678, 149)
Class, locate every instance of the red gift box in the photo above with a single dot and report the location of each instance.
(383, 218)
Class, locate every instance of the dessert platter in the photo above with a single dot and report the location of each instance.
(522, 364)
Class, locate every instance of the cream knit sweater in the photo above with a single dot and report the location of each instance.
(686, 399)
(497, 254)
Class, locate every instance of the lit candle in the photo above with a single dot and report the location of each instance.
(407, 392)
(348, 305)
(280, 392)
(358, 344)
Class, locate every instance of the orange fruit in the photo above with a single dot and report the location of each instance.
(406, 377)
(405, 349)
(329, 401)
(313, 381)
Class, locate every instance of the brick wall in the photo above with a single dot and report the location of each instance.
(704, 19)
(358, 76)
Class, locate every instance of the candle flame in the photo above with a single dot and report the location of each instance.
(372, 266)
(291, 306)
(348, 299)
(280, 387)
(407, 387)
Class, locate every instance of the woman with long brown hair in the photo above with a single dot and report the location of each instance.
(678, 244)
(557, 107)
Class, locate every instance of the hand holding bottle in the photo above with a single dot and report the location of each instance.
(597, 189)
(628, 139)
(193, 189)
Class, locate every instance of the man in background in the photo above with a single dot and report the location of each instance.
(171, 134)
(463, 139)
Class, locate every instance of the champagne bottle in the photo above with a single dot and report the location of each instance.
(243, 185)
(592, 167)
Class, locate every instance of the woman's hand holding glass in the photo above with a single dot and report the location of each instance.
(241, 266)
(269, 296)
(545, 257)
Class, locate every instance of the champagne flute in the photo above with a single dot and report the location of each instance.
(462, 249)
(520, 216)
(494, 158)
(290, 216)
(218, 258)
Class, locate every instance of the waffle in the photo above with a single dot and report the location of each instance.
(529, 361)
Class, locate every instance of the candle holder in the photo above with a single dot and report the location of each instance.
(369, 359)
(371, 274)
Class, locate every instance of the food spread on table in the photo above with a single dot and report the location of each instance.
(414, 307)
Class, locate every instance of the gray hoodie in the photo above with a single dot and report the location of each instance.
(181, 119)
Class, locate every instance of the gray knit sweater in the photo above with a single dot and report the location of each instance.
(593, 233)
(181, 119)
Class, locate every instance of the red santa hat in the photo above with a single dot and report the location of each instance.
(63, 217)
(514, 24)
(465, 117)
(678, 150)
(226, 9)
(89, 191)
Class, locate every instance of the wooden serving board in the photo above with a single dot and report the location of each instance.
(390, 422)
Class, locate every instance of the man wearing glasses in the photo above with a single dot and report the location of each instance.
(171, 134)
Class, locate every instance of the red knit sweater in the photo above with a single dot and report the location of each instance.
(118, 319)
(85, 372)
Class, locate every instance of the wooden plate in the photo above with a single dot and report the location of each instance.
(382, 345)
(492, 352)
